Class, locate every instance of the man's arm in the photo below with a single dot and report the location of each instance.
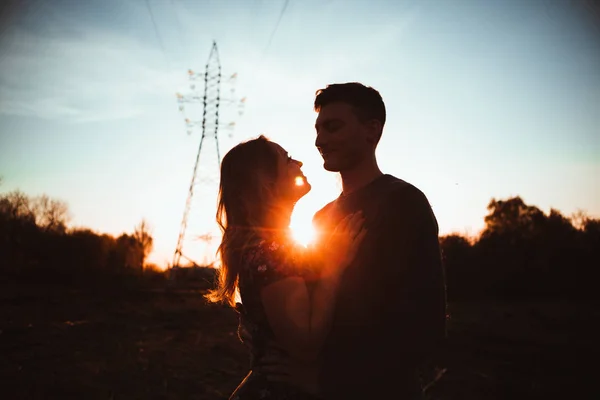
(413, 299)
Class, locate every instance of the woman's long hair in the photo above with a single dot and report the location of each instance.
(246, 193)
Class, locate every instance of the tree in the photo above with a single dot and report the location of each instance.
(461, 273)
(16, 206)
(579, 218)
(143, 235)
(127, 255)
(50, 214)
(512, 217)
(510, 245)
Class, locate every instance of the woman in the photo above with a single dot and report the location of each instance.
(260, 184)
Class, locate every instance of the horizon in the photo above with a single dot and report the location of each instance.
(488, 100)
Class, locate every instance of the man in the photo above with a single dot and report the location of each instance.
(391, 308)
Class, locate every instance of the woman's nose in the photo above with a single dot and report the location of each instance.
(300, 164)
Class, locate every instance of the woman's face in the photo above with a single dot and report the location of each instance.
(291, 182)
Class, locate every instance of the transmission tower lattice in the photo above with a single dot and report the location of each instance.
(209, 123)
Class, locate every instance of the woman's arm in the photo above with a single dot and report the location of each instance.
(301, 319)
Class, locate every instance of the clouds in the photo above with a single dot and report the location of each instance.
(104, 62)
(95, 75)
(47, 108)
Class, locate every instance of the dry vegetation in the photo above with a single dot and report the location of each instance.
(155, 343)
(145, 343)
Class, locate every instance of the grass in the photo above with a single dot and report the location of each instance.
(160, 344)
(148, 344)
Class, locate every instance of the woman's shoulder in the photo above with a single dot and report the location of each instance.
(271, 248)
(273, 255)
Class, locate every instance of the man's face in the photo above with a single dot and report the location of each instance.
(342, 139)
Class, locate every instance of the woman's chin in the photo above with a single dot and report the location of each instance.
(302, 190)
(307, 188)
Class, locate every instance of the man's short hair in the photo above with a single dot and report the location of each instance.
(365, 100)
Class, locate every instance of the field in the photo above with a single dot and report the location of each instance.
(154, 343)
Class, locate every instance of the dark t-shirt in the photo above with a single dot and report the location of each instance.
(391, 308)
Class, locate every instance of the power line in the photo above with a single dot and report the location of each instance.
(258, 65)
(158, 37)
(285, 4)
(178, 23)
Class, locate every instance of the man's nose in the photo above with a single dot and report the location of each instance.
(300, 163)
(319, 141)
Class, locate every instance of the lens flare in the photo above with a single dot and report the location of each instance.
(299, 181)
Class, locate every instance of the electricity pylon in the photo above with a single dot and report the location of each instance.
(209, 124)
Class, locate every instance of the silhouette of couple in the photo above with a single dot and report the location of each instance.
(356, 314)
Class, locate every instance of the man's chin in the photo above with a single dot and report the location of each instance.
(331, 166)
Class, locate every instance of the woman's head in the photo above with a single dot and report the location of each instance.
(260, 183)
(257, 177)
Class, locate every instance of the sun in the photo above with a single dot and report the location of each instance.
(303, 233)
(301, 223)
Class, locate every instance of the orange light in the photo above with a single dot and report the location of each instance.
(303, 234)
(299, 181)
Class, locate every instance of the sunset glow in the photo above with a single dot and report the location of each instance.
(304, 235)
(73, 118)
(303, 231)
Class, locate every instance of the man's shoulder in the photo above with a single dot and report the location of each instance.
(324, 210)
(397, 189)
(409, 202)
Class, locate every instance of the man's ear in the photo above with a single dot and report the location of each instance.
(374, 129)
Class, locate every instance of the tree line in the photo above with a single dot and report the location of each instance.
(522, 252)
(36, 244)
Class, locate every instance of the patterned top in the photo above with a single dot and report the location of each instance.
(263, 264)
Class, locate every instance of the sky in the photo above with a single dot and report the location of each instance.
(485, 99)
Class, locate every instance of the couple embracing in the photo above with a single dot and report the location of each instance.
(360, 311)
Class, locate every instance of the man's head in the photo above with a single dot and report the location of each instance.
(349, 125)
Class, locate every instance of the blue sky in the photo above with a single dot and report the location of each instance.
(485, 99)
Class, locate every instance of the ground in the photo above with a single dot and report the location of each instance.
(154, 343)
